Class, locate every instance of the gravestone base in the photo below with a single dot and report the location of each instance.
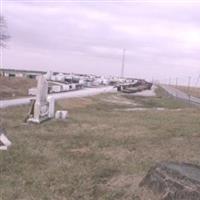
(37, 121)
(40, 113)
(174, 181)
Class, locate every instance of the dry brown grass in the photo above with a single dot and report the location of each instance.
(99, 153)
(75, 103)
(15, 87)
(193, 91)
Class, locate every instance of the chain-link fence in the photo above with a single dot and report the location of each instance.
(185, 88)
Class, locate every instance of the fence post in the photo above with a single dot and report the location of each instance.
(176, 86)
(189, 80)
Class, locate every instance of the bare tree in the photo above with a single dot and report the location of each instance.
(3, 32)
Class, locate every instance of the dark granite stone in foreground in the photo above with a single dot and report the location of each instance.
(174, 181)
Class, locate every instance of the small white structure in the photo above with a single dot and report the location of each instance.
(82, 81)
(65, 87)
(53, 78)
(51, 101)
(4, 141)
(55, 88)
(49, 75)
(97, 82)
(88, 84)
(105, 81)
(72, 86)
(60, 77)
(32, 91)
(61, 114)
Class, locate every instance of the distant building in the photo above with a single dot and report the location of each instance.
(20, 73)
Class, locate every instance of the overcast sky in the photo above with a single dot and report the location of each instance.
(161, 38)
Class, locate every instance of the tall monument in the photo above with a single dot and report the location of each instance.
(41, 106)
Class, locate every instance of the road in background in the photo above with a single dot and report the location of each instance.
(78, 93)
(181, 95)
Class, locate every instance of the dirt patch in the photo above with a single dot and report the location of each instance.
(128, 186)
(75, 103)
(133, 109)
(80, 150)
(123, 181)
(116, 153)
(118, 99)
(147, 109)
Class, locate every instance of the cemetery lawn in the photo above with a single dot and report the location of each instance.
(101, 153)
(15, 87)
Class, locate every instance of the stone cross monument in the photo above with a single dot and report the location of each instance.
(41, 106)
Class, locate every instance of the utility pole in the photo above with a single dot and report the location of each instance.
(189, 80)
(123, 61)
(197, 80)
(197, 83)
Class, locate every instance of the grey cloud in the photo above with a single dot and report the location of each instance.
(89, 37)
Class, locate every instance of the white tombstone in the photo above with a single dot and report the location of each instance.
(65, 87)
(49, 75)
(56, 88)
(51, 101)
(4, 141)
(73, 86)
(60, 77)
(41, 105)
(81, 81)
(3, 148)
(64, 115)
(57, 115)
(61, 114)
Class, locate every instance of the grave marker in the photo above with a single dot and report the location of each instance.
(42, 108)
